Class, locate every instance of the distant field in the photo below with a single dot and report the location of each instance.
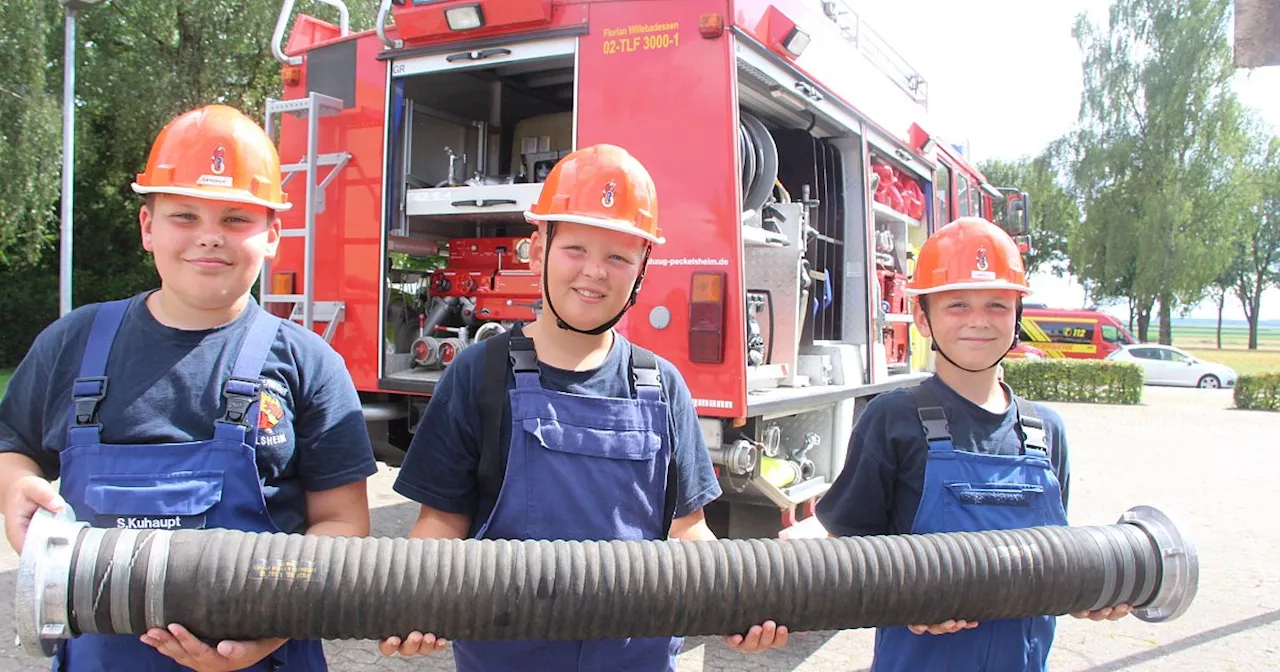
(1232, 337)
(4, 380)
(1201, 341)
(1243, 361)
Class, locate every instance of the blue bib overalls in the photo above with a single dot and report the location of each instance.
(212, 483)
(579, 468)
(971, 492)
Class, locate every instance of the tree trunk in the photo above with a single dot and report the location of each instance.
(1253, 321)
(1222, 302)
(1251, 301)
(1166, 318)
(1144, 321)
(1133, 309)
(1254, 314)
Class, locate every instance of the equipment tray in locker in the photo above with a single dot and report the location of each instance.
(465, 200)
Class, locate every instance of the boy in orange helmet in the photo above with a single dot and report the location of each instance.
(912, 449)
(605, 430)
(189, 406)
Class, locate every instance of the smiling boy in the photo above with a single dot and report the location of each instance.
(918, 457)
(190, 406)
(601, 436)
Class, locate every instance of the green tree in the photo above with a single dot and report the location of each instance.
(1159, 146)
(1053, 212)
(139, 64)
(1257, 261)
(30, 133)
(1218, 292)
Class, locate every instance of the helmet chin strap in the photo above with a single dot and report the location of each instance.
(546, 293)
(933, 343)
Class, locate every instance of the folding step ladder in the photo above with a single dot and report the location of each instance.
(306, 309)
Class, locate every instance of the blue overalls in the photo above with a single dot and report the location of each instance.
(971, 492)
(199, 484)
(579, 468)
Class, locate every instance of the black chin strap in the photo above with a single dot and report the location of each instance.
(933, 343)
(635, 289)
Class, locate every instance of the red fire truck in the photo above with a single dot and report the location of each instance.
(795, 173)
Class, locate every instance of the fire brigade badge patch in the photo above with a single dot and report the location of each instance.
(982, 259)
(275, 431)
(270, 411)
(218, 163)
(607, 199)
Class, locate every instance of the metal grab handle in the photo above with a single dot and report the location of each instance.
(384, 8)
(483, 203)
(477, 55)
(277, 37)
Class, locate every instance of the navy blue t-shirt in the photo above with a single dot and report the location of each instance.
(879, 489)
(440, 468)
(165, 385)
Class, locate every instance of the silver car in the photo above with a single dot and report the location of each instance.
(1167, 365)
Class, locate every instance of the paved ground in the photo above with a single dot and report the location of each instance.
(1184, 451)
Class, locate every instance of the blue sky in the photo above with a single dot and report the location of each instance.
(967, 48)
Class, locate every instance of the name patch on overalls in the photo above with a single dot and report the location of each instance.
(151, 522)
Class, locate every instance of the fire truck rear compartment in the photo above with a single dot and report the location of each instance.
(469, 149)
(825, 259)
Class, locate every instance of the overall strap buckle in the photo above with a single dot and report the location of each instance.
(644, 367)
(932, 416)
(240, 393)
(524, 359)
(1031, 427)
(88, 392)
(935, 424)
(647, 378)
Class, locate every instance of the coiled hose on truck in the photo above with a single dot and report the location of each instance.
(227, 584)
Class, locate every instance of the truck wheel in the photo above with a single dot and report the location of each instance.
(1209, 382)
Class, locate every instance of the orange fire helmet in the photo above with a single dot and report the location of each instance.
(215, 152)
(969, 253)
(601, 185)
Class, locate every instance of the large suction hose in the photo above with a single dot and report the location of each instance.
(759, 161)
(226, 584)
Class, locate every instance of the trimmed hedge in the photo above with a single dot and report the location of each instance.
(1258, 392)
(1093, 381)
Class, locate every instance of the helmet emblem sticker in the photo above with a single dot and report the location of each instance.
(218, 163)
(607, 198)
(981, 272)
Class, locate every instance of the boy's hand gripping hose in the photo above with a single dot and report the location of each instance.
(224, 584)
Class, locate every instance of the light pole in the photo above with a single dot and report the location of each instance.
(68, 147)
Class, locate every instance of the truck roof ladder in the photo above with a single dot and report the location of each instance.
(305, 308)
(877, 50)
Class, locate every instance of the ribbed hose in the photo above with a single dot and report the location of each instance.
(236, 585)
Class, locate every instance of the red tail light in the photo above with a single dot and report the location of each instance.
(706, 318)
